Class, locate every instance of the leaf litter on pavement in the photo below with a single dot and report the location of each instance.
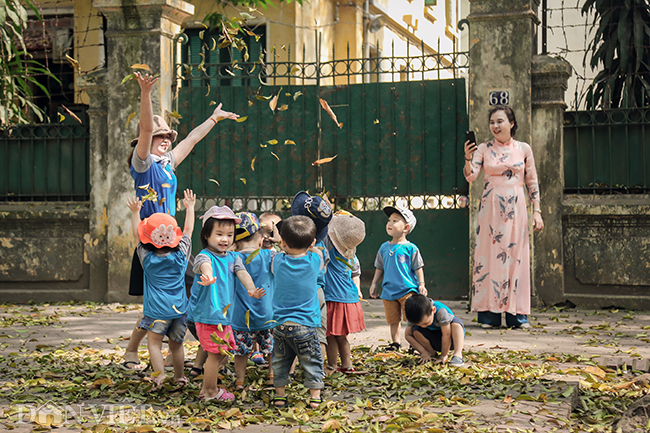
(396, 394)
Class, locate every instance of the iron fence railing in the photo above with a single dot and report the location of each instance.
(45, 162)
(607, 151)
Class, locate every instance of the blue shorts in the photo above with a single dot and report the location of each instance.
(174, 329)
(292, 340)
(246, 340)
(435, 337)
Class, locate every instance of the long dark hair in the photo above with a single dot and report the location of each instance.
(509, 114)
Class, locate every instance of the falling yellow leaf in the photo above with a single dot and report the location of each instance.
(143, 186)
(74, 116)
(251, 256)
(73, 62)
(141, 66)
(212, 103)
(241, 119)
(376, 121)
(263, 145)
(327, 108)
(274, 102)
(166, 185)
(212, 180)
(208, 92)
(61, 117)
(250, 103)
(127, 78)
(323, 161)
(247, 318)
(225, 310)
(295, 95)
(176, 309)
(229, 72)
(253, 164)
(214, 44)
(220, 327)
(161, 201)
(272, 142)
(216, 339)
(283, 107)
(263, 98)
(287, 142)
(276, 156)
(287, 94)
(243, 179)
(270, 321)
(129, 119)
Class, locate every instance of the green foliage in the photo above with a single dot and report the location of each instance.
(620, 47)
(17, 69)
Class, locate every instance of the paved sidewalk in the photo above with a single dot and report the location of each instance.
(604, 337)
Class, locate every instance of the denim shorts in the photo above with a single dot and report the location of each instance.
(291, 340)
(174, 329)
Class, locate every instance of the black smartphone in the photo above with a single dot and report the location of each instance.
(469, 135)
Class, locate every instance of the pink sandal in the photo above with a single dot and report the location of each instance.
(222, 395)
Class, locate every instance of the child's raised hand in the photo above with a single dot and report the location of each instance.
(207, 281)
(220, 114)
(189, 200)
(134, 204)
(146, 82)
(257, 293)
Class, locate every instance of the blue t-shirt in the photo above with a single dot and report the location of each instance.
(339, 286)
(164, 281)
(209, 301)
(321, 276)
(261, 310)
(295, 297)
(158, 173)
(399, 262)
(442, 316)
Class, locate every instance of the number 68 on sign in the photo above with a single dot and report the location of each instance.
(498, 97)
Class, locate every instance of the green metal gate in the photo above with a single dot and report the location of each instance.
(401, 124)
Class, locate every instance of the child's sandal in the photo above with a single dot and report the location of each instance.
(239, 386)
(195, 372)
(280, 402)
(315, 403)
(269, 380)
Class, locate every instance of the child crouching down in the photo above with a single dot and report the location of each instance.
(296, 309)
(259, 327)
(433, 328)
(216, 269)
(164, 251)
(344, 312)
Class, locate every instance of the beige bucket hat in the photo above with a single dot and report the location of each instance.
(346, 232)
(160, 127)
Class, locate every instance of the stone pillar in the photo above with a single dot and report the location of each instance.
(95, 250)
(138, 31)
(550, 76)
(502, 44)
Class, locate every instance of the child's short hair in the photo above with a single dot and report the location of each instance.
(252, 239)
(208, 226)
(416, 308)
(269, 214)
(298, 231)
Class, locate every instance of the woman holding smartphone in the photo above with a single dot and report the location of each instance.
(501, 276)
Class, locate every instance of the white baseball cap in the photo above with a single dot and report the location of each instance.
(406, 214)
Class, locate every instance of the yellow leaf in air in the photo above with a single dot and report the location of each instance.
(161, 201)
(208, 92)
(225, 310)
(242, 119)
(176, 309)
(250, 103)
(220, 327)
(323, 161)
(214, 44)
(276, 156)
(263, 98)
(212, 103)
(287, 142)
(270, 321)
(253, 164)
(212, 180)
(127, 78)
(283, 107)
(287, 94)
(272, 142)
(229, 72)
(143, 186)
(376, 121)
(166, 185)
(274, 102)
(61, 117)
(247, 317)
(73, 62)
(295, 95)
(263, 145)
(327, 108)
(129, 119)
(243, 179)
(216, 339)
(251, 256)
(141, 66)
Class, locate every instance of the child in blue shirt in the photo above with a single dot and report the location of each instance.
(259, 329)
(216, 269)
(400, 264)
(296, 310)
(344, 312)
(164, 251)
(432, 327)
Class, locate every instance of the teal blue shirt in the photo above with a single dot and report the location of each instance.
(399, 263)
(295, 297)
(339, 286)
(261, 310)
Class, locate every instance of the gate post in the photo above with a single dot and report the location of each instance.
(138, 31)
(550, 76)
(502, 44)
